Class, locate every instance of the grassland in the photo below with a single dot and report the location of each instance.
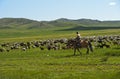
(8, 35)
(60, 64)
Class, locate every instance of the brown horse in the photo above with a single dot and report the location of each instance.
(72, 43)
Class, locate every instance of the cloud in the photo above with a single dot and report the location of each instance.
(112, 3)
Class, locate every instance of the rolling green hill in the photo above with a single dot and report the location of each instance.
(22, 23)
(21, 29)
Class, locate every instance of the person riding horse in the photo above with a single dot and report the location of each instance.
(78, 39)
(79, 43)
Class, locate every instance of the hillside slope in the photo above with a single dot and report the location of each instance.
(22, 23)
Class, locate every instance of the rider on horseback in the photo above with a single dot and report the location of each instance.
(78, 38)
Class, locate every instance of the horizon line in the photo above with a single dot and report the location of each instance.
(60, 18)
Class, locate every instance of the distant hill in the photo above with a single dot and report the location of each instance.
(22, 23)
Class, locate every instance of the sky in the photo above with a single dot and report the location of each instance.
(54, 9)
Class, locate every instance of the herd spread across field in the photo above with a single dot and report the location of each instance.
(54, 59)
(61, 44)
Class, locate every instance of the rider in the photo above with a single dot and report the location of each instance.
(78, 38)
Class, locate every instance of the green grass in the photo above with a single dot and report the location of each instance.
(59, 64)
(37, 34)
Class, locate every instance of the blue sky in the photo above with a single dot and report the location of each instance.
(54, 9)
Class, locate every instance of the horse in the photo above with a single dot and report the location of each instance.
(77, 45)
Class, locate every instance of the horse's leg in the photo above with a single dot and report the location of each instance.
(87, 51)
(74, 51)
(79, 51)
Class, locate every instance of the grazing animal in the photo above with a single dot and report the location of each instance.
(2, 49)
(41, 48)
(24, 49)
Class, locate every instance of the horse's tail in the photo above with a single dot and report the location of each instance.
(90, 46)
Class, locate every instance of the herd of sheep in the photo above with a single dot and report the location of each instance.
(60, 44)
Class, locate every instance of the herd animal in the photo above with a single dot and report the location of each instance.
(60, 44)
